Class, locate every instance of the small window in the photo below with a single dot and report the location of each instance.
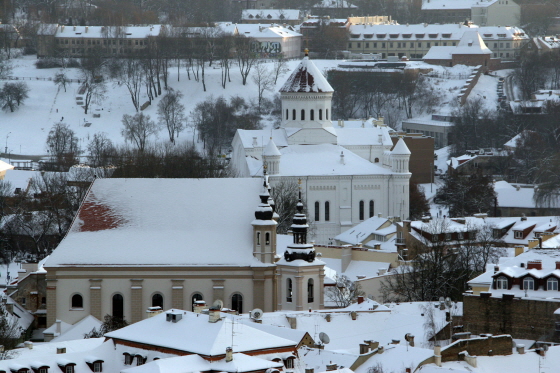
(361, 210)
(327, 211)
(294, 114)
(327, 114)
(237, 302)
(317, 211)
(69, 369)
(97, 367)
(448, 236)
(312, 114)
(302, 114)
(552, 284)
(501, 283)
(320, 114)
(460, 235)
(371, 206)
(139, 360)
(290, 363)
(435, 238)
(287, 114)
(43, 370)
(289, 290)
(127, 359)
(528, 283)
(518, 234)
(258, 238)
(267, 238)
(310, 290)
(157, 300)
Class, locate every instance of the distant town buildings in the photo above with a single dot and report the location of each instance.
(480, 12)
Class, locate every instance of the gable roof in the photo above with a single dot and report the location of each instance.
(306, 78)
(162, 222)
(212, 339)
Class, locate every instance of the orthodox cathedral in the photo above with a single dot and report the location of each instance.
(349, 173)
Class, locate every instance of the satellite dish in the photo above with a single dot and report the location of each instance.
(324, 338)
(218, 304)
(256, 314)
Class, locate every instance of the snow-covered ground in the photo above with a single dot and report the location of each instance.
(25, 131)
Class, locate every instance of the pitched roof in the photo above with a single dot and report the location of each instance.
(162, 222)
(400, 148)
(307, 78)
(271, 149)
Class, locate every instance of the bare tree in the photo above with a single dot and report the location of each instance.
(345, 292)
(280, 67)
(61, 80)
(138, 128)
(171, 113)
(100, 150)
(62, 144)
(91, 71)
(12, 95)
(132, 75)
(5, 66)
(263, 78)
(245, 56)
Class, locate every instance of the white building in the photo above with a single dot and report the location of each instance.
(347, 174)
(481, 12)
(140, 243)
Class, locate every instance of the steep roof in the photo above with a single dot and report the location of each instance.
(162, 222)
(400, 148)
(5, 166)
(307, 78)
(271, 149)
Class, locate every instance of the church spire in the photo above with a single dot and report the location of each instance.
(264, 211)
(300, 249)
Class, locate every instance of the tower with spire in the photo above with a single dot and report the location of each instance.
(271, 158)
(300, 273)
(264, 227)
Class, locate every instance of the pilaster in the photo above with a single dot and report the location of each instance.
(218, 290)
(177, 294)
(136, 306)
(51, 302)
(299, 293)
(95, 298)
(258, 288)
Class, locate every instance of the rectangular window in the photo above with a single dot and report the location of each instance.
(375, 45)
(460, 235)
(419, 45)
(359, 45)
(448, 236)
(97, 367)
(390, 45)
(428, 45)
(518, 234)
(382, 45)
(411, 45)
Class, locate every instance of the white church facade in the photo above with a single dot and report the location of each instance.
(141, 243)
(348, 174)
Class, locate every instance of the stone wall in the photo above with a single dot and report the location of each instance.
(522, 318)
(487, 346)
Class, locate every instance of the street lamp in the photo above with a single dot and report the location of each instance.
(6, 148)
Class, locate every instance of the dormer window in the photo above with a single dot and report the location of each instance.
(528, 283)
(501, 283)
(95, 364)
(127, 358)
(448, 236)
(552, 284)
(518, 234)
(460, 235)
(433, 36)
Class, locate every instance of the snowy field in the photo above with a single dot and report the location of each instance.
(25, 131)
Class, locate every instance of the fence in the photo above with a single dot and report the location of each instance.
(38, 78)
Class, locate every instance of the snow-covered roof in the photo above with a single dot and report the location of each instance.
(357, 269)
(257, 31)
(94, 32)
(162, 222)
(455, 4)
(470, 43)
(348, 136)
(5, 166)
(271, 149)
(400, 148)
(367, 229)
(325, 159)
(334, 4)
(212, 339)
(272, 14)
(306, 78)
(77, 331)
(512, 196)
(435, 32)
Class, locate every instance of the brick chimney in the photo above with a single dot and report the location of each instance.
(364, 348)
(534, 264)
(331, 367)
(360, 299)
(229, 354)
(557, 265)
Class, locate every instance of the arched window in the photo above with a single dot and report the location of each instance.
(361, 210)
(258, 238)
(196, 297)
(287, 114)
(376, 160)
(77, 301)
(294, 114)
(310, 290)
(327, 114)
(371, 206)
(302, 114)
(528, 283)
(267, 238)
(317, 211)
(552, 284)
(289, 290)
(118, 306)
(237, 302)
(327, 211)
(501, 283)
(320, 114)
(312, 114)
(157, 300)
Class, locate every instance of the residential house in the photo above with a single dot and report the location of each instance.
(280, 16)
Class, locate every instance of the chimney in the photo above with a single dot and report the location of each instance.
(229, 354)
(309, 370)
(331, 367)
(520, 349)
(377, 246)
(380, 139)
(364, 348)
(28, 344)
(410, 339)
(395, 341)
(519, 249)
(342, 157)
(214, 314)
(255, 141)
(379, 215)
(360, 299)
(437, 355)
(61, 350)
(198, 306)
(354, 315)
(380, 349)
(557, 265)
(58, 327)
(534, 264)
(496, 269)
(328, 317)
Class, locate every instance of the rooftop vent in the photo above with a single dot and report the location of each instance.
(173, 317)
